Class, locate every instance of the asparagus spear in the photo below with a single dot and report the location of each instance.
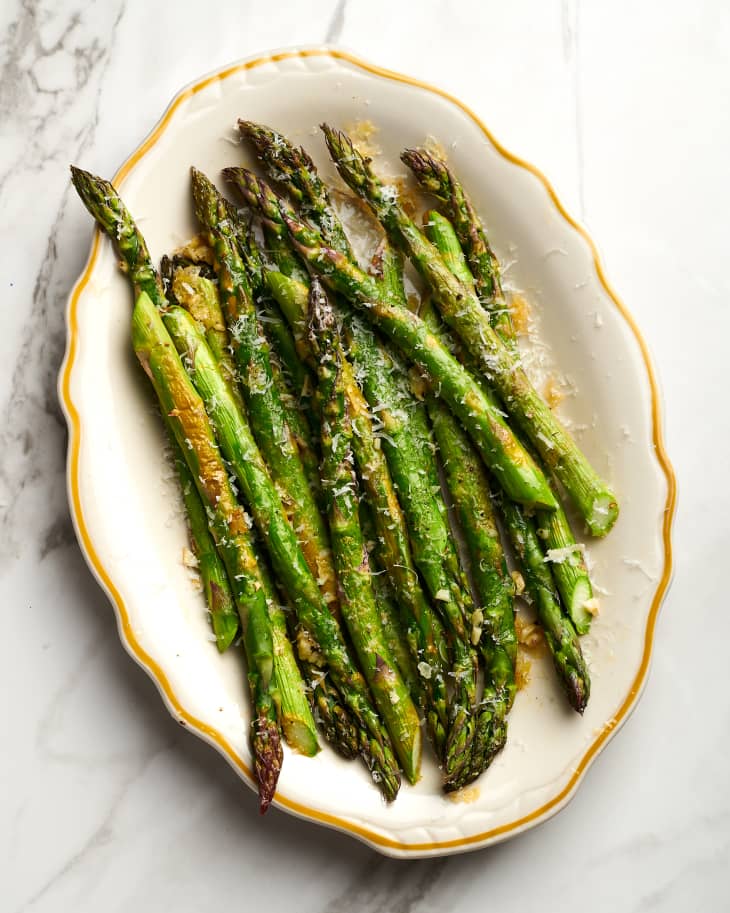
(494, 627)
(194, 436)
(515, 469)
(402, 641)
(289, 563)
(409, 456)
(198, 294)
(568, 567)
(394, 553)
(522, 532)
(336, 722)
(295, 712)
(436, 177)
(217, 590)
(187, 421)
(341, 491)
(299, 416)
(293, 380)
(293, 168)
(394, 548)
(559, 631)
(409, 450)
(462, 310)
(103, 202)
(268, 417)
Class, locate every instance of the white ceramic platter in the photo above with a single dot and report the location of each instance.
(123, 497)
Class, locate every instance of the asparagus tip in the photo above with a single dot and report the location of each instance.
(268, 758)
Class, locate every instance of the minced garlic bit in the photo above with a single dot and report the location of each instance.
(406, 196)
(570, 553)
(361, 132)
(196, 249)
(528, 633)
(442, 595)
(592, 606)
(519, 582)
(188, 558)
(522, 671)
(425, 670)
(308, 649)
(520, 311)
(553, 392)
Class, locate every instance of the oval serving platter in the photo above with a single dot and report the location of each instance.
(122, 491)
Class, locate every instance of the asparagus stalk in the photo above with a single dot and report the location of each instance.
(293, 379)
(198, 294)
(436, 177)
(392, 541)
(293, 168)
(521, 530)
(217, 590)
(297, 411)
(409, 450)
(515, 469)
(267, 415)
(409, 456)
(494, 627)
(402, 642)
(194, 436)
(188, 423)
(568, 567)
(341, 491)
(394, 547)
(462, 310)
(559, 631)
(295, 714)
(289, 563)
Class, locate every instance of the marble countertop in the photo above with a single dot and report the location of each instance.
(106, 804)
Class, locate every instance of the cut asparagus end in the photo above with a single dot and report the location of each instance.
(299, 737)
(603, 515)
(577, 610)
(225, 628)
(291, 296)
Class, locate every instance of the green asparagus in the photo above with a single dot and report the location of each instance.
(515, 469)
(227, 521)
(293, 168)
(268, 417)
(437, 178)
(520, 528)
(217, 590)
(494, 628)
(289, 563)
(559, 631)
(462, 310)
(568, 567)
(341, 491)
(186, 420)
(394, 548)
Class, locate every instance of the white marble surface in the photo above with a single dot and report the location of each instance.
(105, 803)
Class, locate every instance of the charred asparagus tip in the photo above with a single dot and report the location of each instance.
(269, 757)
